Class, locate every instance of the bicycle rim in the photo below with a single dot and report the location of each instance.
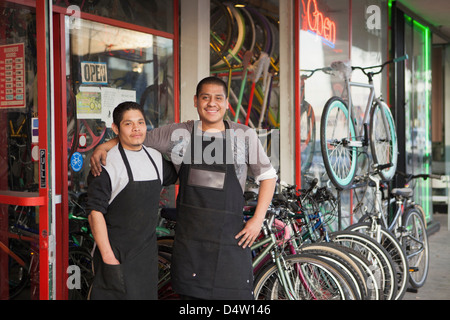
(381, 264)
(340, 160)
(416, 247)
(311, 277)
(383, 141)
(397, 253)
(221, 30)
(342, 260)
(239, 40)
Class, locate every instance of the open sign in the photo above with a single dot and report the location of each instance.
(316, 22)
(94, 73)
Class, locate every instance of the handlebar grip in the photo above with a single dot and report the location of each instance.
(405, 57)
(384, 166)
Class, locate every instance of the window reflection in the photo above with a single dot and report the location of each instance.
(321, 20)
(105, 66)
(154, 14)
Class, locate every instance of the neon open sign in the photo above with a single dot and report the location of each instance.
(316, 22)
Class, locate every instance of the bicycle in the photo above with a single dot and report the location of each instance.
(375, 225)
(295, 276)
(22, 249)
(407, 222)
(340, 140)
(313, 229)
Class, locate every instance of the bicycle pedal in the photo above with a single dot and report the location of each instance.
(413, 269)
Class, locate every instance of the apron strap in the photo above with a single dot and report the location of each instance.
(127, 164)
(125, 160)
(153, 162)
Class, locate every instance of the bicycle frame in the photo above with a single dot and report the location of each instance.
(271, 244)
(370, 103)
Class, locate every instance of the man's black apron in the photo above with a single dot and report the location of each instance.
(207, 262)
(131, 221)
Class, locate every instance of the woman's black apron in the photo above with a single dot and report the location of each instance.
(131, 220)
(207, 262)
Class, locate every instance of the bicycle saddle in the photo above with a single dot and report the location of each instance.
(403, 192)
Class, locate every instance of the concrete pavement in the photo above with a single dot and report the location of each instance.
(437, 286)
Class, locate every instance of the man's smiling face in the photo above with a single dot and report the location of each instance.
(211, 104)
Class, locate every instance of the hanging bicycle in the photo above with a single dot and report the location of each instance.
(342, 140)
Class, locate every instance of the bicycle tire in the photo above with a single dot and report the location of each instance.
(238, 41)
(396, 251)
(383, 143)
(18, 276)
(250, 32)
(374, 290)
(331, 252)
(263, 33)
(329, 281)
(222, 26)
(416, 247)
(340, 161)
(382, 265)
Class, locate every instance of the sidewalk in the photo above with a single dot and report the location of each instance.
(437, 286)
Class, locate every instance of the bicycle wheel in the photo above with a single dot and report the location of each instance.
(311, 277)
(416, 247)
(18, 276)
(382, 265)
(383, 140)
(396, 251)
(238, 39)
(373, 288)
(334, 254)
(336, 132)
(221, 30)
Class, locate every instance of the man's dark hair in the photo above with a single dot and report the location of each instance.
(122, 108)
(212, 80)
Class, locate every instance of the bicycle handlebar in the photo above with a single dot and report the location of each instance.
(381, 66)
(424, 176)
(311, 72)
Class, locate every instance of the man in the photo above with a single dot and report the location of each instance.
(211, 256)
(123, 205)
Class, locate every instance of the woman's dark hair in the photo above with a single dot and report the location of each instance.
(122, 108)
(212, 80)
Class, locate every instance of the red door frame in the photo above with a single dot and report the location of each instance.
(59, 37)
(58, 290)
(44, 100)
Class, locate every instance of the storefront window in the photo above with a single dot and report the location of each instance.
(244, 52)
(154, 14)
(19, 228)
(320, 45)
(354, 32)
(107, 65)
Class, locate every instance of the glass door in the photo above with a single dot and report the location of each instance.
(22, 158)
(106, 65)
